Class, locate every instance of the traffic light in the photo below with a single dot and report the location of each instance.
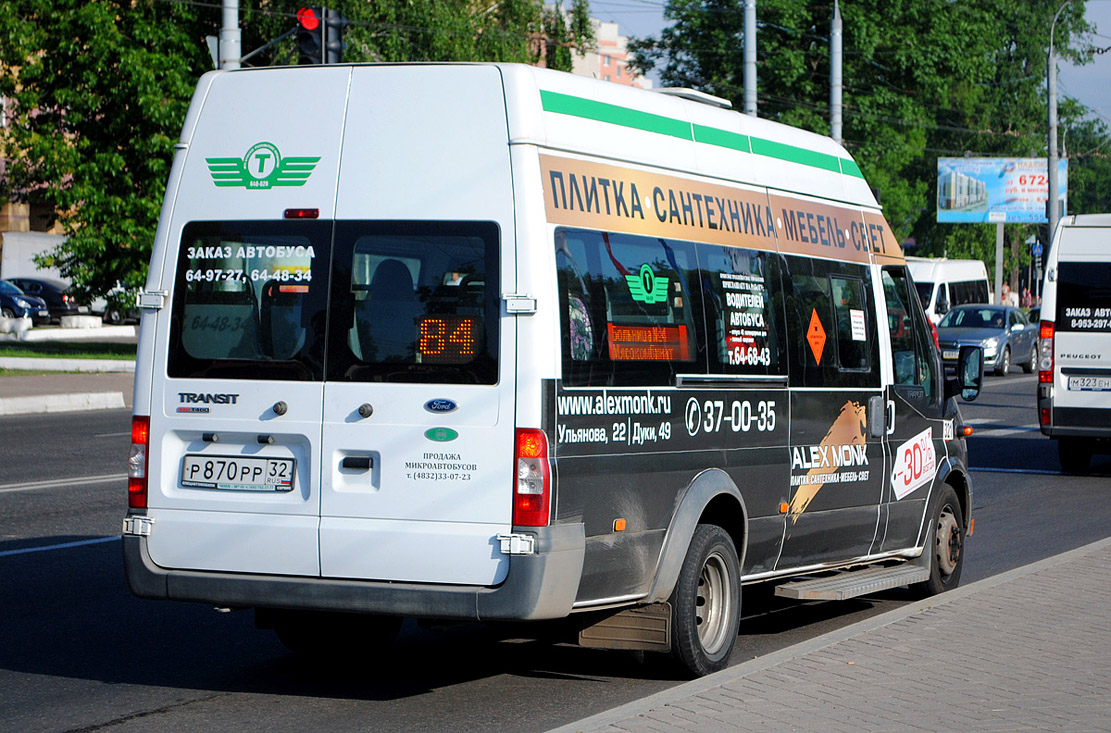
(310, 31)
(334, 25)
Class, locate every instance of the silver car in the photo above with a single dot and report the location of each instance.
(1003, 332)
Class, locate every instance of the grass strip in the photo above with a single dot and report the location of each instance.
(69, 350)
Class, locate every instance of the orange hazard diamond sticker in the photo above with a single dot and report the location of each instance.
(816, 336)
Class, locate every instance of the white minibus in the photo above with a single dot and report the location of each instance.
(491, 342)
(1074, 344)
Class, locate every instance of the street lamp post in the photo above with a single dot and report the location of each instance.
(1051, 92)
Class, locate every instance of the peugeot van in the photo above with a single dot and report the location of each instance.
(492, 342)
(1074, 345)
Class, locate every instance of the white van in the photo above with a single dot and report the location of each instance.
(943, 283)
(1074, 345)
(494, 342)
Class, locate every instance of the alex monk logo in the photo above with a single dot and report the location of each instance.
(262, 167)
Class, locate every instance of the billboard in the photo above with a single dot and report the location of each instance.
(996, 190)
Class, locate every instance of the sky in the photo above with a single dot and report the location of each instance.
(1091, 84)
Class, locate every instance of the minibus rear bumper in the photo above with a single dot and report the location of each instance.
(539, 586)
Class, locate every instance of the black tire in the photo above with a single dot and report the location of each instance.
(7, 313)
(112, 317)
(1074, 454)
(945, 545)
(321, 635)
(706, 603)
(1004, 364)
(1029, 366)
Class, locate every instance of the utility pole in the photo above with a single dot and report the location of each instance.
(835, 74)
(230, 45)
(1052, 212)
(750, 57)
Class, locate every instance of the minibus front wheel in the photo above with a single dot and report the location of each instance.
(944, 546)
(706, 603)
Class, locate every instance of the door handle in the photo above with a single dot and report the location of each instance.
(361, 463)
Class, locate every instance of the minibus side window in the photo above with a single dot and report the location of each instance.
(743, 302)
(627, 314)
(832, 323)
(249, 301)
(852, 329)
(415, 302)
(911, 348)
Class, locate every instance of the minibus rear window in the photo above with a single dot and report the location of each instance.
(249, 301)
(415, 302)
(1084, 296)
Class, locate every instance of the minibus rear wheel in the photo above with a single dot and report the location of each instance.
(1075, 454)
(323, 635)
(706, 603)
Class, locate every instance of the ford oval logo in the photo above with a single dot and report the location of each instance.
(440, 406)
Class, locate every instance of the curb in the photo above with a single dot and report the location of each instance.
(695, 687)
(70, 334)
(46, 364)
(62, 403)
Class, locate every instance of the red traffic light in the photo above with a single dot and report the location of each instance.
(308, 19)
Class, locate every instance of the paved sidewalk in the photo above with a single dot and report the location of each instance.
(1026, 650)
(65, 392)
(100, 385)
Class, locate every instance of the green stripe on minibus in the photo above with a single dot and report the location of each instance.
(792, 154)
(850, 168)
(589, 109)
(565, 104)
(722, 138)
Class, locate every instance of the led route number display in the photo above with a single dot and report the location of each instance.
(447, 339)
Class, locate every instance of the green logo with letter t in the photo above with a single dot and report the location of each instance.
(262, 167)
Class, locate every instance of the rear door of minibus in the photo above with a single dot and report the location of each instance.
(1082, 336)
(238, 375)
(419, 399)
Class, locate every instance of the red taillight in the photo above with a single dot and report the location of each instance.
(1045, 416)
(933, 330)
(137, 463)
(302, 214)
(1045, 353)
(533, 480)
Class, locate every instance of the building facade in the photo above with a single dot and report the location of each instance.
(609, 62)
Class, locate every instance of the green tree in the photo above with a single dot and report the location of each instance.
(98, 91)
(922, 79)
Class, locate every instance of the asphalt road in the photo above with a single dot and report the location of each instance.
(79, 652)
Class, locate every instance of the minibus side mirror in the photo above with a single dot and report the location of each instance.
(970, 374)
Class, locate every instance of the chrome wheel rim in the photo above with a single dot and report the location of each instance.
(712, 607)
(948, 542)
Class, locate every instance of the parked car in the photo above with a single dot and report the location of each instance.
(55, 292)
(117, 307)
(14, 303)
(1002, 331)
